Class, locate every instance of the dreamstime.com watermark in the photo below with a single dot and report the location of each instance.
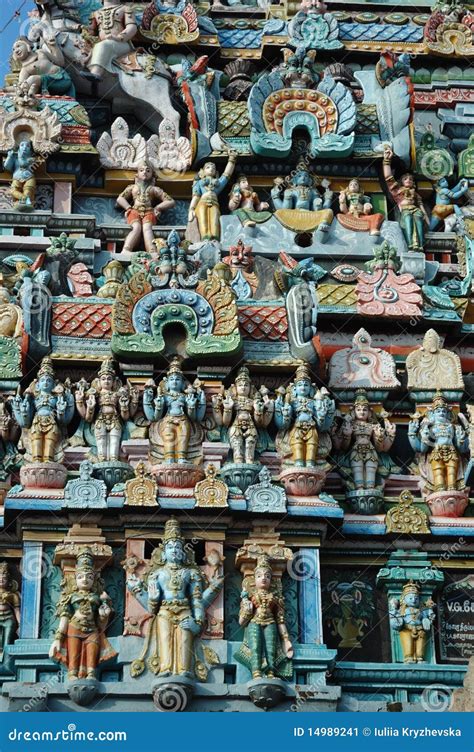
(69, 734)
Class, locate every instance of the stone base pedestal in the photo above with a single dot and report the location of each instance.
(171, 694)
(266, 693)
(240, 475)
(82, 691)
(302, 481)
(112, 472)
(363, 501)
(448, 503)
(43, 475)
(176, 475)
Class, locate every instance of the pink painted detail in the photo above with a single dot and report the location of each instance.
(80, 280)
(448, 503)
(62, 201)
(385, 293)
(302, 481)
(214, 627)
(136, 617)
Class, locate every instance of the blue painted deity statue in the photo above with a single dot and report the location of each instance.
(21, 163)
(412, 622)
(267, 649)
(175, 413)
(177, 594)
(302, 411)
(43, 413)
(445, 208)
(297, 196)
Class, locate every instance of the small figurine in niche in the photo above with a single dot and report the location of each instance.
(9, 608)
(243, 410)
(367, 440)
(106, 404)
(445, 207)
(144, 203)
(357, 210)
(175, 413)
(115, 25)
(267, 649)
(21, 162)
(246, 205)
(413, 216)
(204, 205)
(84, 610)
(301, 410)
(412, 622)
(42, 70)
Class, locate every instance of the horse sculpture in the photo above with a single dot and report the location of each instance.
(141, 84)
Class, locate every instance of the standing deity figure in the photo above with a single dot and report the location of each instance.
(204, 205)
(21, 162)
(445, 208)
(413, 216)
(42, 71)
(114, 25)
(9, 608)
(412, 622)
(267, 649)
(43, 413)
(243, 410)
(176, 594)
(144, 203)
(364, 439)
(357, 210)
(442, 439)
(302, 193)
(302, 410)
(84, 610)
(175, 413)
(246, 205)
(106, 405)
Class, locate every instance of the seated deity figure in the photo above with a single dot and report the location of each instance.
(441, 439)
(43, 413)
(413, 216)
(299, 204)
(243, 410)
(301, 411)
(412, 622)
(115, 25)
(106, 405)
(144, 202)
(445, 208)
(246, 205)
(357, 211)
(21, 162)
(175, 413)
(43, 70)
(84, 610)
(9, 608)
(267, 649)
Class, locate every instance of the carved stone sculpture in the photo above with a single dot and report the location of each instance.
(246, 205)
(431, 367)
(264, 496)
(85, 492)
(406, 518)
(445, 207)
(141, 491)
(362, 366)
(211, 492)
(204, 205)
(412, 621)
(42, 70)
(168, 152)
(9, 608)
(299, 205)
(175, 410)
(43, 413)
(143, 202)
(117, 151)
(357, 211)
(84, 610)
(115, 26)
(413, 216)
(21, 163)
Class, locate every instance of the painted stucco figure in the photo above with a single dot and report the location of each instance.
(357, 210)
(42, 70)
(114, 26)
(9, 608)
(445, 208)
(245, 203)
(204, 205)
(22, 162)
(412, 621)
(413, 216)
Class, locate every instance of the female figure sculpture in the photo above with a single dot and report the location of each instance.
(84, 610)
(243, 410)
(9, 608)
(106, 405)
(246, 205)
(267, 649)
(143, 202)
(413, 216)
(205, 203)
(43, 413)
(412, 622)
(357, 211)
(175, 413)
(362, 438)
